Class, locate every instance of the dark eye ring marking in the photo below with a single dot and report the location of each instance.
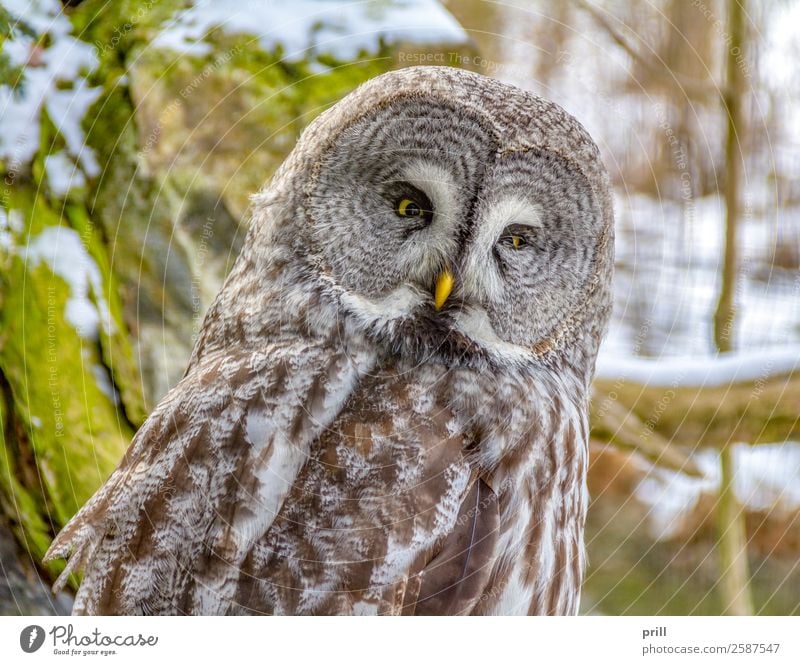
(412, 204)
(516, 236)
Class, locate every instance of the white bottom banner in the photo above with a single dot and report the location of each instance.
(332, 640)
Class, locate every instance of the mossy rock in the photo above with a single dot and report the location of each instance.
(64, 422)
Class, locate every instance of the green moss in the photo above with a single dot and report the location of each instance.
(64, 435)
(113, 27)
(24, 508)
(115, 344)
(225, 121)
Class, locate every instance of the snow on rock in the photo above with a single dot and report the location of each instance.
(342, 29)
(66, 109)
(670, 497)
(104, 383)
(62, 250)
(6, 237)
(11, 224)
(766, 479)
(66, 59)
(62, 174)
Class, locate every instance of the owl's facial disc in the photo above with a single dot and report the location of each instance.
(423, 218)
(391, 199)
(531, 252)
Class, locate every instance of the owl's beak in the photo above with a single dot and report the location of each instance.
(444, 285)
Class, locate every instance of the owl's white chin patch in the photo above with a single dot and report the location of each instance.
(397, 304)
(473, 323)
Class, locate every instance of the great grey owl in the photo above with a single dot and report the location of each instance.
(386, 410)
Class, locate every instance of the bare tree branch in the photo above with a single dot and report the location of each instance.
(654, 65)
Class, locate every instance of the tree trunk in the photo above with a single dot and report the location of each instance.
(731, 544)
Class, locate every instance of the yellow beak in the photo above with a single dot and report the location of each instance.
(444, 285)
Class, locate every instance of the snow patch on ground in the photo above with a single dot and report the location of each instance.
(307, 27)
(766, 479)
(708, 371)
(667, 279)
(62, 250)
(666, 286)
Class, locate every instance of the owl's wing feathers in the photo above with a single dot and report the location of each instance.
(214, 509)
(203, 480)
(389, 518)
(454, 580)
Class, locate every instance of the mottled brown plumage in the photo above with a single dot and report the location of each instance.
(340, 445)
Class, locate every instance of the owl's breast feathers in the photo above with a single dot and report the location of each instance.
(300, 481)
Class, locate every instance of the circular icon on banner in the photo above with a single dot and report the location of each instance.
(31, 638)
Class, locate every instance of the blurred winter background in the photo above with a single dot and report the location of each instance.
(131, 134)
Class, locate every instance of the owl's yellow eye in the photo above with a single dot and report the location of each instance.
(413, 205)
(409, 208)
(516, 240)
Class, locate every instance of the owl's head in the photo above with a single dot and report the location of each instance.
(451, 217)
